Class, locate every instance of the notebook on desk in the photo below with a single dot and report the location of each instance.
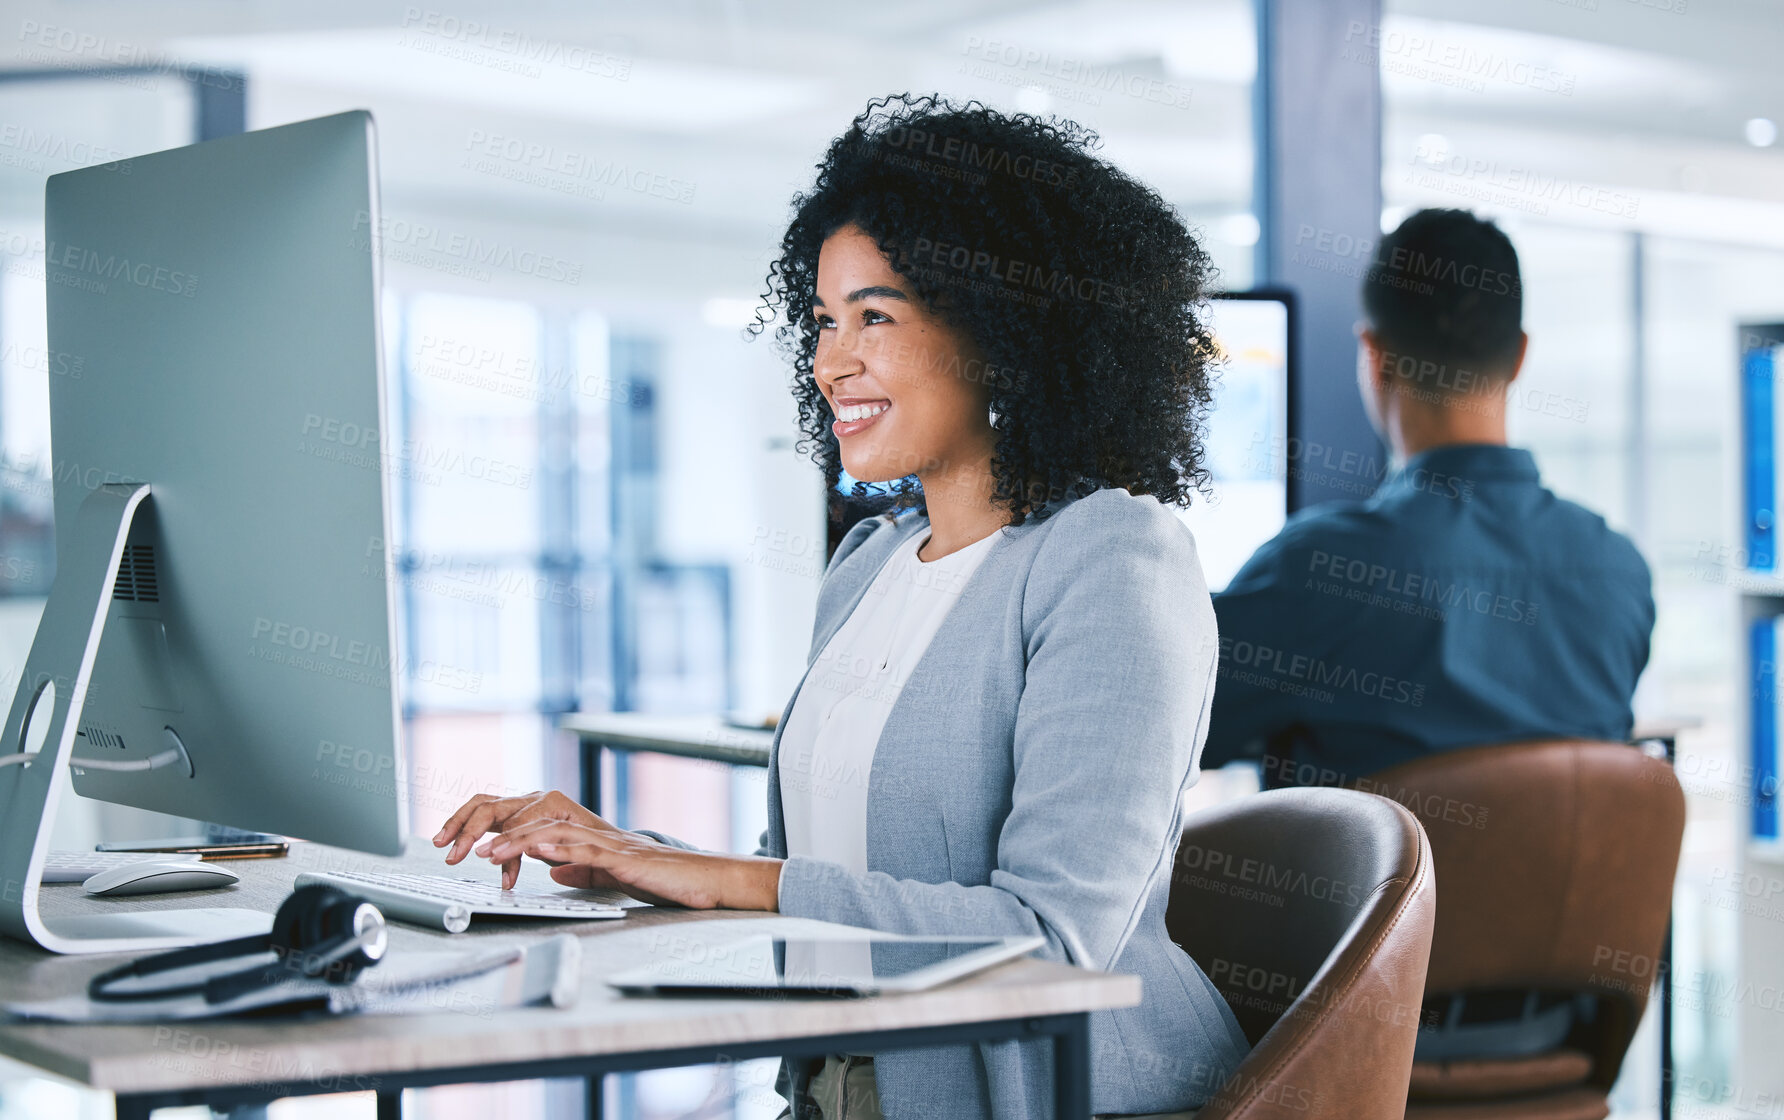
(409, 983)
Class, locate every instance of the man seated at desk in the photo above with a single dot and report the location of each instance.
(1463, 603)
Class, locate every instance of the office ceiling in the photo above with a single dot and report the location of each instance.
(735, 100)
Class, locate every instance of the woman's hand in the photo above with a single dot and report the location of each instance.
(484, 813)
(600, 855)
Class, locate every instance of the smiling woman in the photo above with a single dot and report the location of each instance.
(1008, 685)
(892, 371)
(1061, 294)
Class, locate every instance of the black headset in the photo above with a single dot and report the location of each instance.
(319, 933)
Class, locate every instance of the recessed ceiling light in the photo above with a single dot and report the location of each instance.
(1762, 132)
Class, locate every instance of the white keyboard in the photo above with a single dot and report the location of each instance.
(78, 867)
(448, 904)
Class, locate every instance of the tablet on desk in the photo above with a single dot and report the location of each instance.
(820, 966)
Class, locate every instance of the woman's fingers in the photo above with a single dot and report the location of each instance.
(475, 824)
(522, 822)
(486, 816)
(537, 808)
(525, 814)
(600, 857)
(510, 859)
(486, 813)
(563, 807)
(533, 812)
(456, 821)
(527, 840)
(521, 828)
(611, 858)
(606, 857)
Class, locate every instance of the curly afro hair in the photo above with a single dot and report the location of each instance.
(1080, 286)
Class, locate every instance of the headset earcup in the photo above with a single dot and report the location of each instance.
(301, 919)
(313, 922)
(336, 925)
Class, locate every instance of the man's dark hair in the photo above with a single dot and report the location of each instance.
(1444, 288)
(1081, 286)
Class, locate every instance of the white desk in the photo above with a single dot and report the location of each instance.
(224, 1063)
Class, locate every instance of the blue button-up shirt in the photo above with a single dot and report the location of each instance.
(1462, 604)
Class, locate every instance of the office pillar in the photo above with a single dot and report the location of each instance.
(1317, 117)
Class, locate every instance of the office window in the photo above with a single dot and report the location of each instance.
(469, 449)
(461, 454)
(26, 502)
(52, 125)
(1571, 405)
(523, 456)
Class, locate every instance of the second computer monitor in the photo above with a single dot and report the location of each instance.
(1246, 445)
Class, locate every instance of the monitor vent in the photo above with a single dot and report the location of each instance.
(136, 575)
(100, 738)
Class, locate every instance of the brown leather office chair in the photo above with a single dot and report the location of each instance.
(1311, 910)
(1558, 860)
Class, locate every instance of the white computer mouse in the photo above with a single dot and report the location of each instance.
(153, 876)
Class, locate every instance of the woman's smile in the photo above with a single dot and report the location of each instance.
(856, 414)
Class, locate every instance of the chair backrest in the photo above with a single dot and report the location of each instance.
(1311, 910)
(1560, 857)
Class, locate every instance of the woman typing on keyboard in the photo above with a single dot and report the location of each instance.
(1010, 673)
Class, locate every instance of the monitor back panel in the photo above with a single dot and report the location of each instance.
(222, 300)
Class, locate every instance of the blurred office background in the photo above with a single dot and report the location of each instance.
(599, 505)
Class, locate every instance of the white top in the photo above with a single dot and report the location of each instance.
(826, 750)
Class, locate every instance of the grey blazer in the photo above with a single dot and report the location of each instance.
(1029, 780)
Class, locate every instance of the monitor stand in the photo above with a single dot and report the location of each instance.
(61, 664)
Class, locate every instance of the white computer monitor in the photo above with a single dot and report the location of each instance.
(223, 454)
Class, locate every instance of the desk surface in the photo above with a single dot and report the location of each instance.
(216, 1054)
